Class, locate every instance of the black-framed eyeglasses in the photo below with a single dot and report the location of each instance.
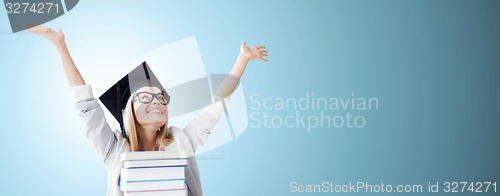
(147, 97)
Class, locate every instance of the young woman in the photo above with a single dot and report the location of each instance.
(145, 116)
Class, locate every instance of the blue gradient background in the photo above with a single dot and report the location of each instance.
(433, 65)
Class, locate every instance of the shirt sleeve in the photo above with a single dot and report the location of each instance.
(95, 126)
(200, 128)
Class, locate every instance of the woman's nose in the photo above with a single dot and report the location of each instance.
(156, 101)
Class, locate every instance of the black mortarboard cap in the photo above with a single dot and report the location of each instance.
(115, 98)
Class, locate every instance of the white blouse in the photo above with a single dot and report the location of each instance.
(109, 143)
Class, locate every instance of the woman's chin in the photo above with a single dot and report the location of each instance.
(157, 120)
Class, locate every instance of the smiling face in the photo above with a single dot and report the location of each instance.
(154, 113)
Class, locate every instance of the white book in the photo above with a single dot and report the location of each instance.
(152, 173)
(152, 185)
(154, 163)
(142, 155)
(158, 193)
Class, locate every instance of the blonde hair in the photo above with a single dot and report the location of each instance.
(163, 136)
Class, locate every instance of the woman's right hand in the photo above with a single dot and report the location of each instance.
(57, 38)
(51, 35)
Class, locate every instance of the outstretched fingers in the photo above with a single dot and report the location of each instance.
(37, 29)
(263, 53)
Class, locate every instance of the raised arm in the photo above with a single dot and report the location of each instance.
(200, 128)
(225, 90)
(57, 38)
(97, 130)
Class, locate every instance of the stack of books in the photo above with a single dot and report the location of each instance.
(151, 173)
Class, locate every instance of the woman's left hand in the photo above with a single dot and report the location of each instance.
(254, 52)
